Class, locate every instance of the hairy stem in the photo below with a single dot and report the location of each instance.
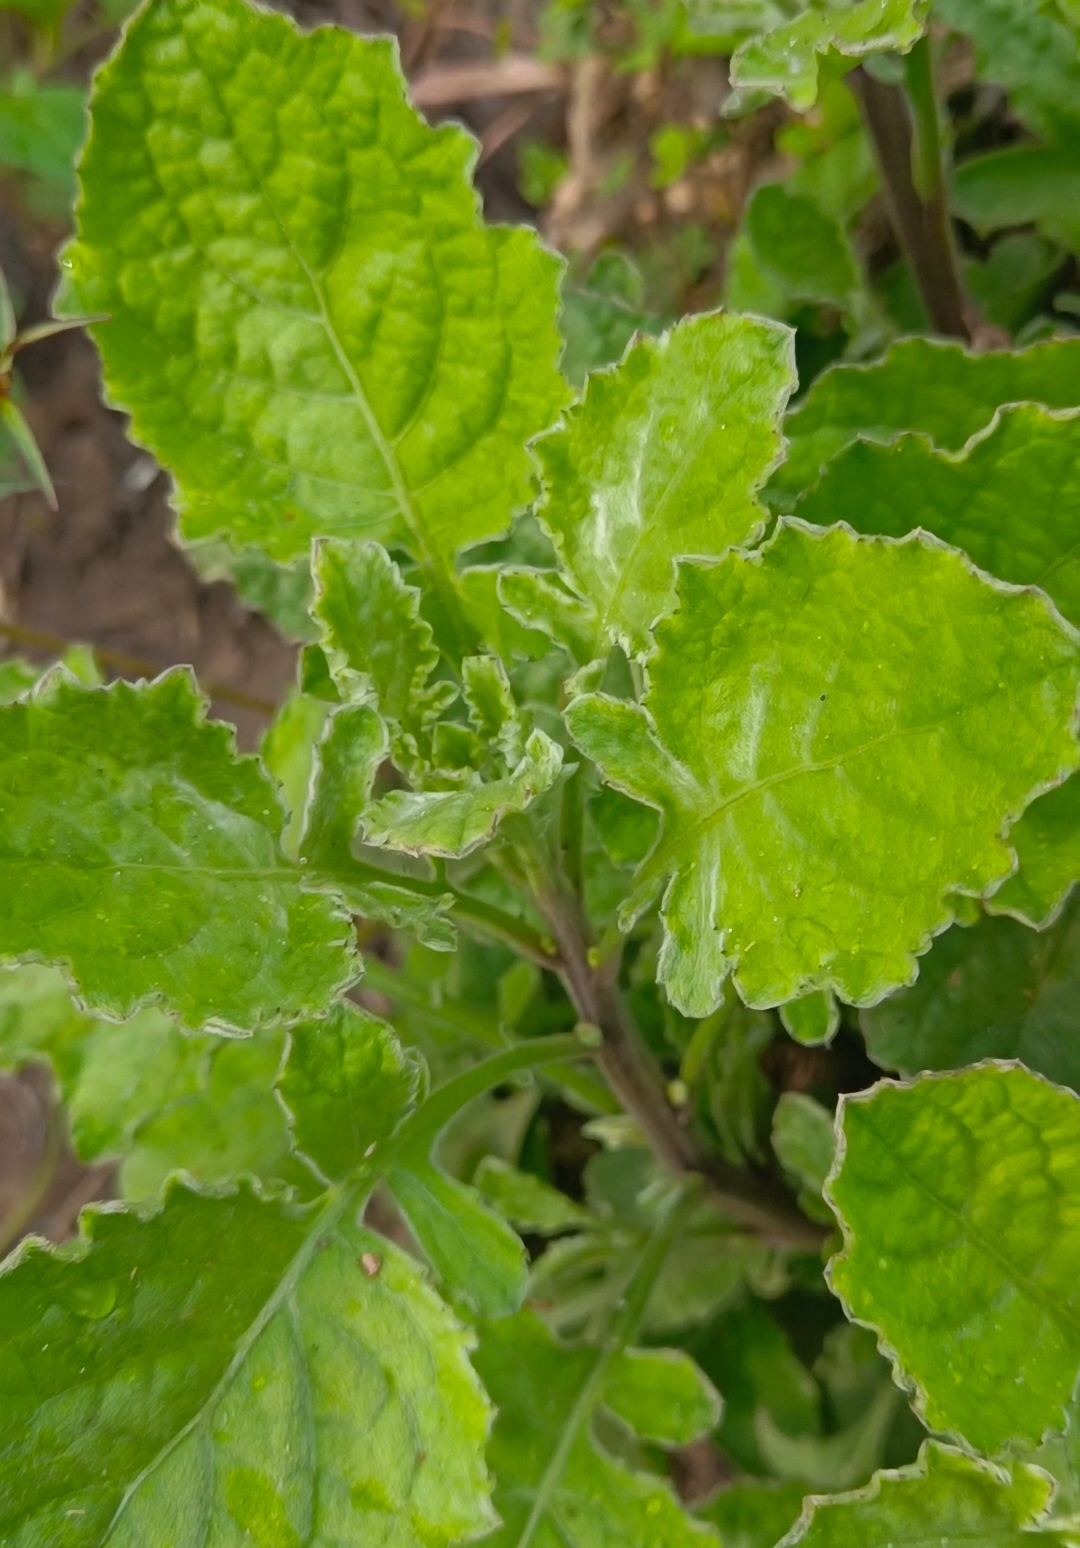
(758, 1205)
(916, 200)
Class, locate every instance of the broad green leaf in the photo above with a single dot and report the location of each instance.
(41, 128)
(982, 500)
(836, 730)
(1030, 53)
(140, 851)
(995, 990)
(662, 1395)
(1047, 843)
(945, 1497)
(526, 1201)
(377, 644)
(750, 1514)
(555, 1487)
(802, 250)
(347, 1085)
(1021, 185)
(662, 457)
(147, 1094)
(345, 761)
(234, 1369)
(959, 1197)
(784, 62)
(455, 822)
(311, 327)
(921, 384)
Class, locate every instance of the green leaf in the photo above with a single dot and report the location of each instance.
(41, 129)
(980, 500)
(288, 751)
(1047, 844)
(784, 62)
(664, 456)
(338, 786)
(526, 1201)
(1027, 51)
(662, 1395)
(145, 1093)
(347, 1085)
(1023, 184)
(802, 250)
(455, 822)
(601, 316)
(826, 1463)
(921, 384)
(959, 1197)
(814, 1019)
(836, 731)
(234, 1369)
(313, 329)
(555, 1486)
(945, 1497)
(475, 1253)
(16, 676)
(754, 1515)
(378, 646)
(996, 990)
(803, 1138)
(139, 850)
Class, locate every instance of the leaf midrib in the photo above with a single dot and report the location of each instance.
(325, 1221)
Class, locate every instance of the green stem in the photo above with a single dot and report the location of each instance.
(624, 1329)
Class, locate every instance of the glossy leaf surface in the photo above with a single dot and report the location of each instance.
(803, 724)
(664, 457)
(974, 1295)
(784, 62)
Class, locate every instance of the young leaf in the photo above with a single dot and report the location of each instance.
(944, 1497)
(377, 644)
(662, 457)
(837, 730)
(347, 1085)
(317, 334)
(996, 990)
(345, 761)
(784, 62)
(975, 1294)
(921, 384)
(142, 852)
(455, 822)
(232, 1367)
(980, 500)
(554, 1484)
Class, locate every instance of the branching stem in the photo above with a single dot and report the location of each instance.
(755, 1203)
